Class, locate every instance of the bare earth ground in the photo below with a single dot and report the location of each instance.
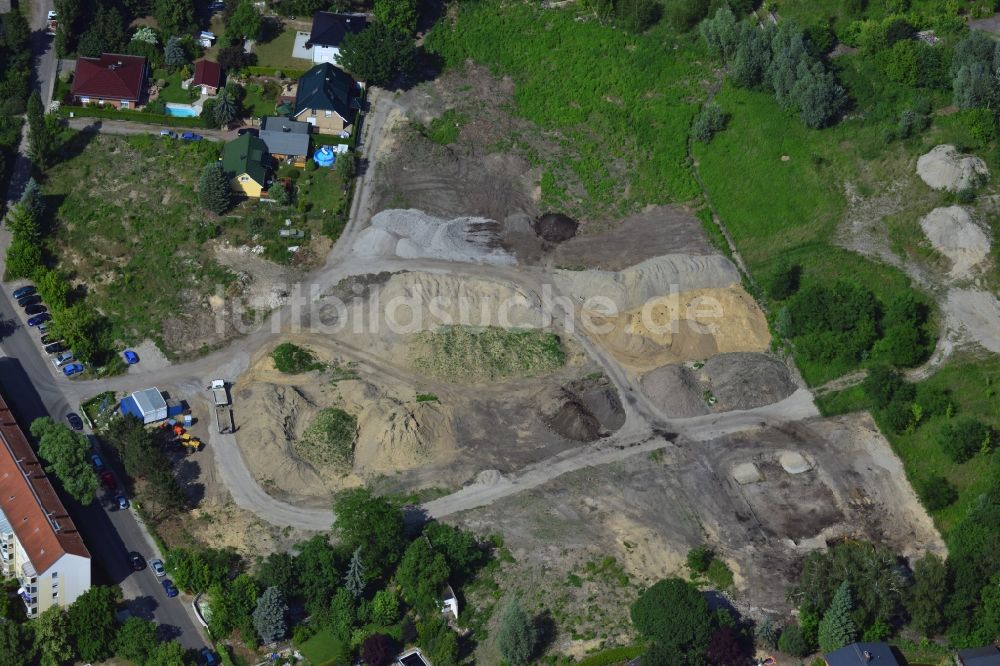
(647, 511)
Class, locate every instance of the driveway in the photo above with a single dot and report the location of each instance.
(127, 127)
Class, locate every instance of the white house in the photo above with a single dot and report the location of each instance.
(147, 405)
(39, 544)
(328, 32)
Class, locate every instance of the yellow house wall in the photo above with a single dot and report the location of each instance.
(249, 186)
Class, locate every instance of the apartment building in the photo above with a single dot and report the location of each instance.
(39, 544)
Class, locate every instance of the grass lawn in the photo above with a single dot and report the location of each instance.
(322, 649)
(277, 53)
(259, 101)
(130, 227)
(621, 103)
(173, 92)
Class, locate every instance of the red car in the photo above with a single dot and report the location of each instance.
(109, 480)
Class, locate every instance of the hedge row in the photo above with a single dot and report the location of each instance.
(273, 71)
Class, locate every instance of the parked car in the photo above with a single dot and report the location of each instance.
(135, 559)
(168, 587)
(52, 15)
(40, 319)
(75, 422)
(191, 136)
(49, 339)
(253, 131)
(108, 479)
(63, 359)
(35, 309)
(21, 292)
(54, 348)
(43, 328)
(172, 134)
(130, 357)
(156, 566)
(73, 369)
(208, 658)
(29, 299)
(98, 463)
(122, 501)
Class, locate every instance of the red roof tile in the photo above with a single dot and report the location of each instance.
(29, 501)
(207, 73)
(112, 76)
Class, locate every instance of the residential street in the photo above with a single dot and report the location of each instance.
(30, 386)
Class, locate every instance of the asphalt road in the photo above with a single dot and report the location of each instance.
(29, 384)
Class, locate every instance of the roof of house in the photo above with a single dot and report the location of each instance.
(285, 137)
(207, 73)
(247, 154)
(29, 502)
(983, 656)
(327, 88)
(862, 654)
(149, 400)
(329, 29)
(112, 75)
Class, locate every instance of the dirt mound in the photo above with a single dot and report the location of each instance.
(953, 233)
(555, 227)
(746, 381)
(603, 402)
(413, 234)
(676, 391)
(568, 417)
(944, 168)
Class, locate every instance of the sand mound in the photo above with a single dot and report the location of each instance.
(944, 168)
(392, 436)
(413, 234)
(687, 326)
(676, 391)
(953, 233)
(555, 227)
(746, 381)
(417, 301)
(603, 402)
(634, 286)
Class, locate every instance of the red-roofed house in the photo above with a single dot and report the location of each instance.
(208, 75)
(39, 544)
(111, 80)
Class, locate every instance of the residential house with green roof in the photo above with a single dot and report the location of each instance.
(327, 98)
(245, 162)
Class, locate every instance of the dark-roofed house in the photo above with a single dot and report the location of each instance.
(327, 99)
(39, 544)
(862, 654)
(208, 75)
(245, 163)
(285, 139)
(984, 656)
(111, 80)
(328, 32)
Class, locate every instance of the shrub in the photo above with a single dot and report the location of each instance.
(791, 641)
(936, 492)
(329, 439)
(699, 559)
(784, 282)
(719, 574)
(292, 359)
(962, 438)
(637, 15)
(684, 15)
(708, 122)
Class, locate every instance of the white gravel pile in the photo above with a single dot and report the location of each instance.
(953, 233)
(413, 234)
(944, 168)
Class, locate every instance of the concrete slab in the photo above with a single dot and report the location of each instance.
(745, 473)
(299, 50)
(794, 462)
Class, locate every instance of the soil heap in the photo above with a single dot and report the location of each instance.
(953, 233)
(944, 168)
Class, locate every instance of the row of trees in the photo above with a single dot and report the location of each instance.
(66, 454)
(90, 27)
(778, 59)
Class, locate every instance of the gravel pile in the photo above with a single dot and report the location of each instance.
(944, 168)
(413, 234)
(953, 233)
(745, 381)
(676, 391)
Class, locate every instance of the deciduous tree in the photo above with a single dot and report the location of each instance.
(92, 622)
(65, 454)
(378, 53)
(136, 640)
(397, 15)
(674, 615)
(174, 17)
(53, 637)
(422, 574)
(374, 523)
(517, 637)
(927, 597)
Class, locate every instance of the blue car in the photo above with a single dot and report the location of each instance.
(73, 369)
(168, 587)
(191, 136)
(130, 357)
(39, 319)
(21, 292)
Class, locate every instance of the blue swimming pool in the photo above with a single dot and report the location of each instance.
(181, 111)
